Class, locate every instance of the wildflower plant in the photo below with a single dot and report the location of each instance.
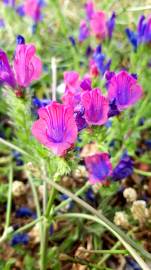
(95, 121)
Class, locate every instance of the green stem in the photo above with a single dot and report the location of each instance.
(9, 200)
(142, 172)
(13, 146)
(126, 241)
(29, 225)
(82, 262)
(111, 251)
(35, 195)
(98, 220)
(44, 232)
(64, 203)
(117, 245)
(50, 202)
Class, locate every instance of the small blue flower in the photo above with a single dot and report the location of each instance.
(132, 37)
(17, 157)
(124, 168)
(79, 118)
(100, 60)
(84, 31)
(20, 238)
(72, 40)
(89, 51)
(133, 264)
(38, 103)
(148, 144)
(51, 229)
(111, 25)
(90, 196)
(20, 10)
(20, 40)
(24, 212)
(113, 110)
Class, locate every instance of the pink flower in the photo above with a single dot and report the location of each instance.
(94, 72)
(98, 24)
(89, 9)
(27, 65)
(84, 31)
(96, 107)
(124, 89)
(71, 80)
(32, 8)
(71, 99)
(99, 167)
(56, 128)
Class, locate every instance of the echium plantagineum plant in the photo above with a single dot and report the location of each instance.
(50, 142)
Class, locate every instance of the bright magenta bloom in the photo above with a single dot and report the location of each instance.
(71, 80)
(96, 107)
(98, 24)
(55, 128)
(99, 167)
(32, 8)
(27, 65)
(89, 9)
(124, 89)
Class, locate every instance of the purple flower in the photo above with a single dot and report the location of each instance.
(6, 73)
(20, 10)
(20, 238)
(113, 111)
(79, 118)
(24, 212)
(100, 60)
(143, 34)
(9, 2)
(20, 40)
(124, 168)
(111, 25)
(38, 103)
(144, 29)
(124, 89)
(89, 51)
(56, 128)
(99, 167)
(132, 37)
(89, 9)
(84, 31)
(86, 84)
(90, 196)
(17, 157)
(72, 40)
(96, 107)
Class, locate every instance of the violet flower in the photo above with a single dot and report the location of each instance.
(84, 31)
(96, 107)
(55, 128)
(124, 89)
(99, 167)
(111, 25)
(124, 168)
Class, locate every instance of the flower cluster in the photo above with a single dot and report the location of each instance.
(30, 8)
(84, 106)
(96, 23)
(143, 33)
(98, 63)
(27, 66)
